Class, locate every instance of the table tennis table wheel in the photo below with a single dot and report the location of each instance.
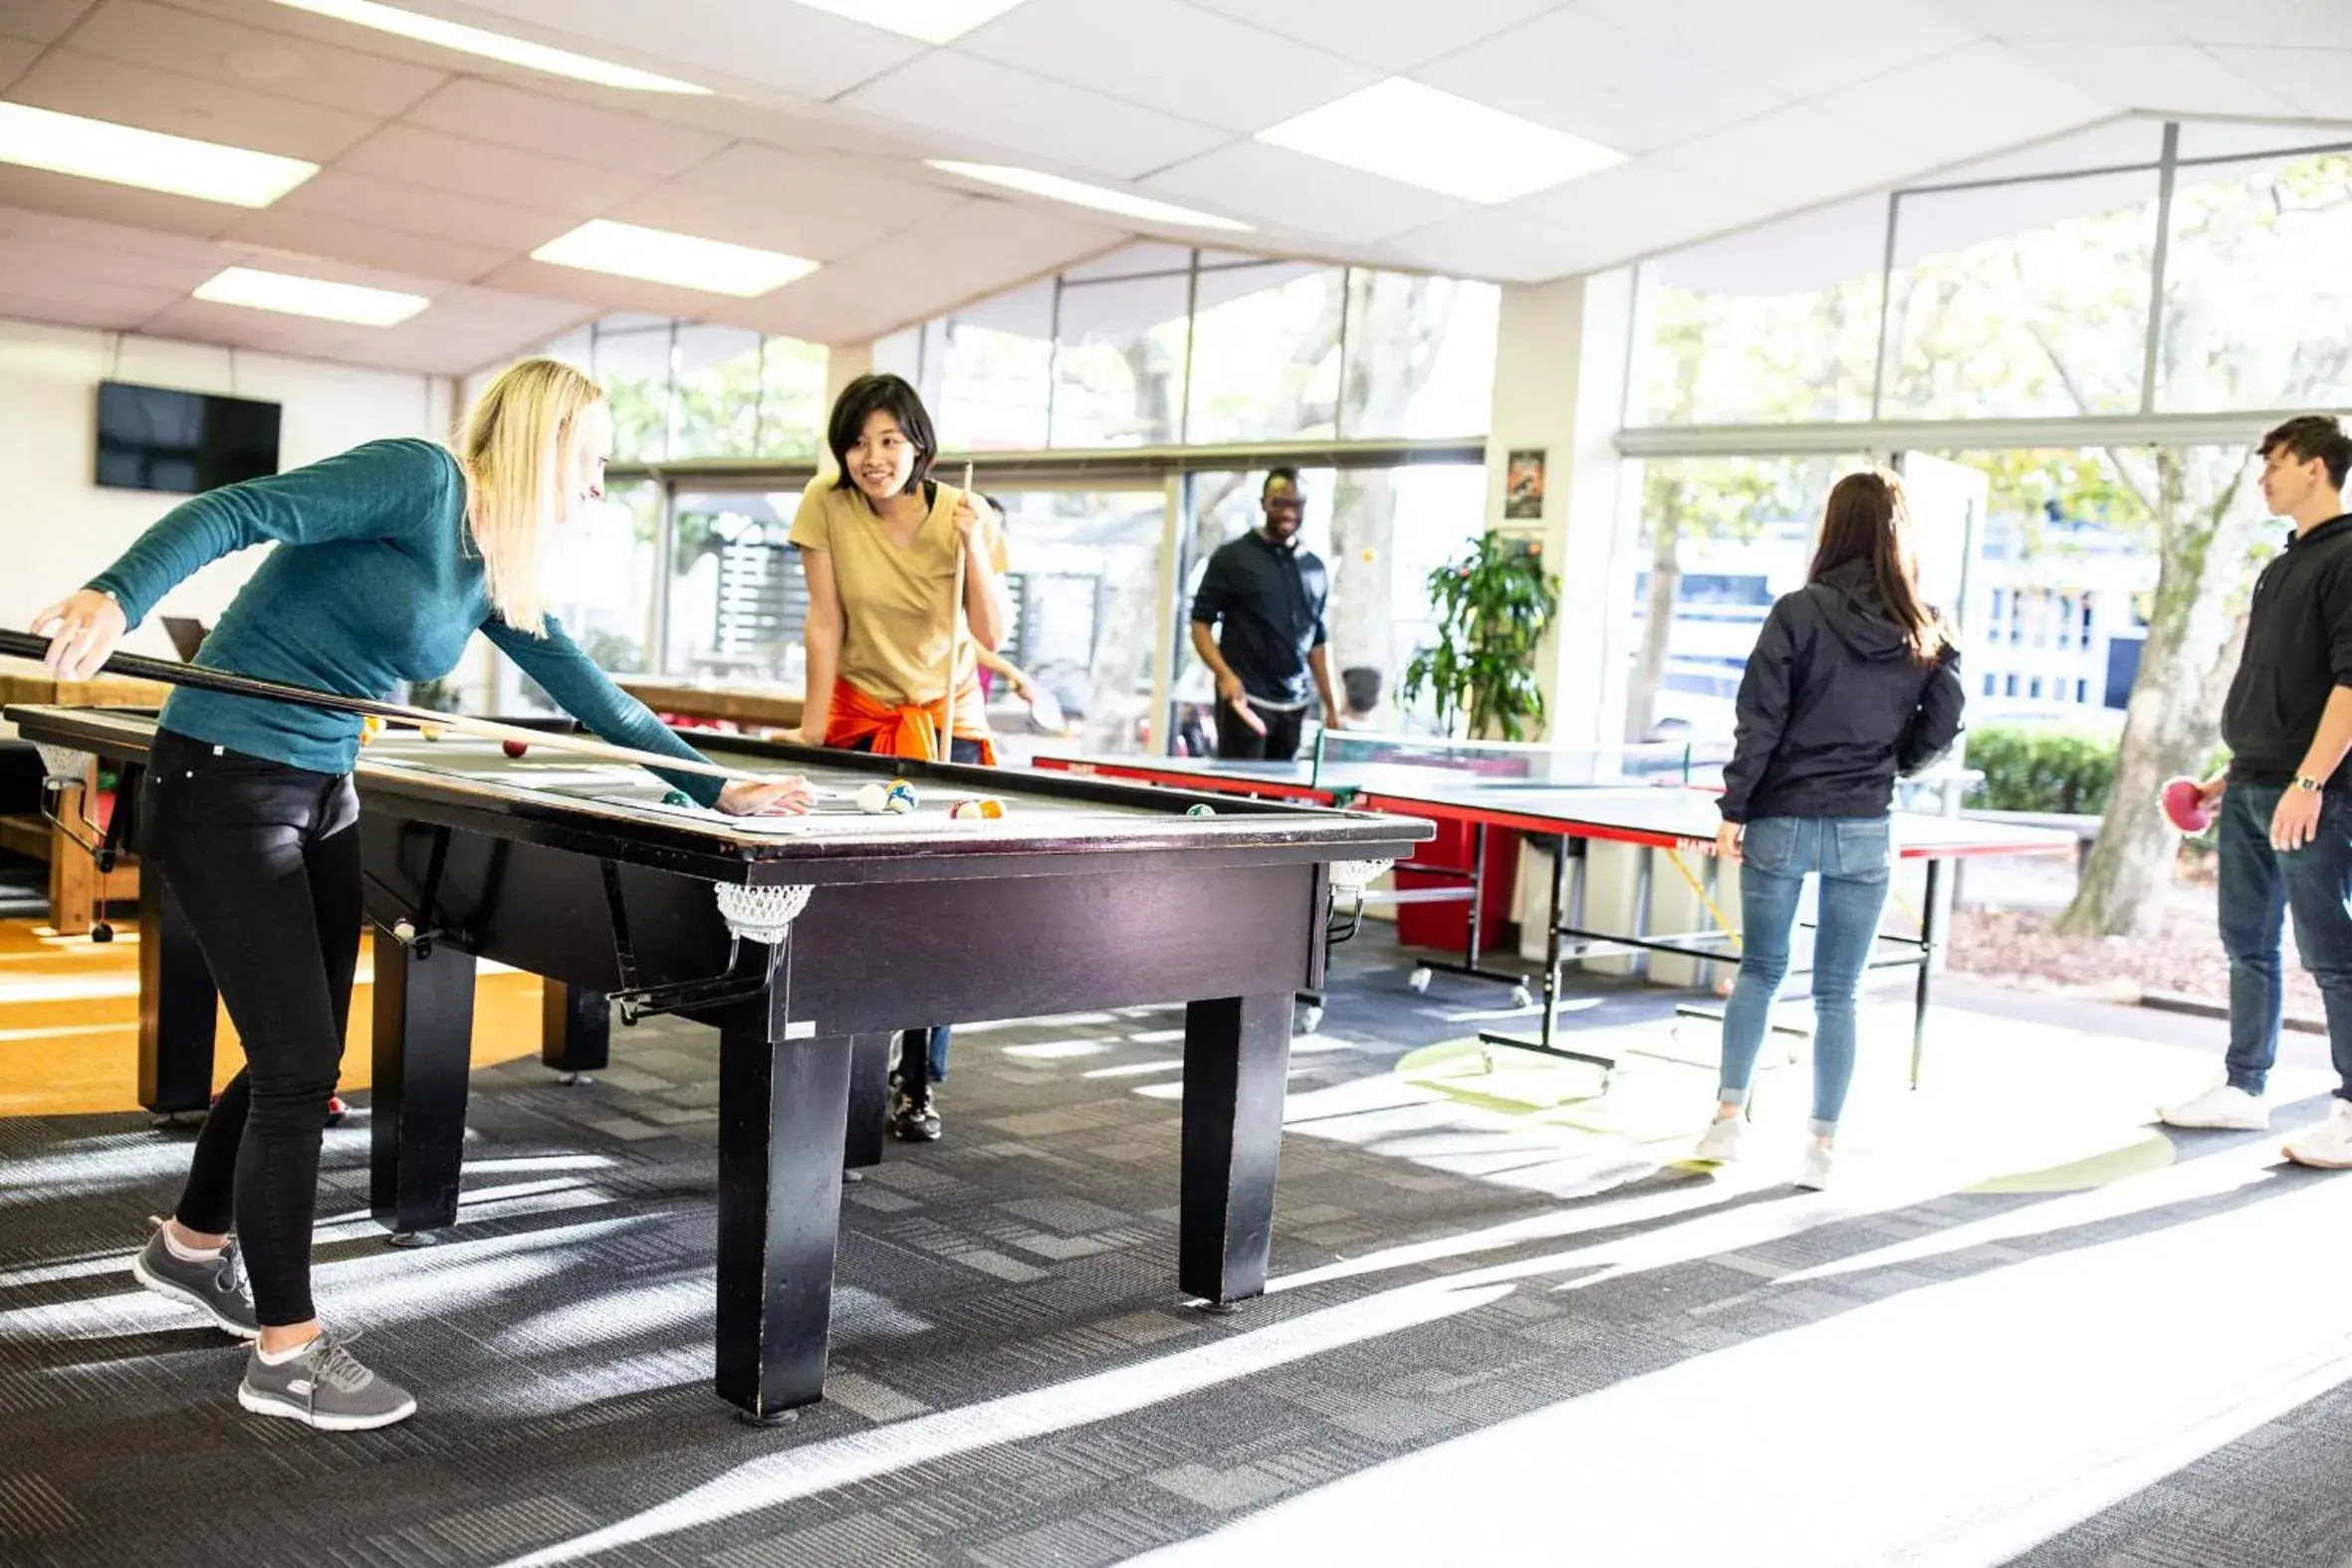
(102, 931)
(1419, 980)
(1521, 997)
(1311, 1018)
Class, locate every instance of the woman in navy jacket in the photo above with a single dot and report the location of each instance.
(1852, 682)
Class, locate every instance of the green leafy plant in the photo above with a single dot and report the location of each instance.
(1491, 606)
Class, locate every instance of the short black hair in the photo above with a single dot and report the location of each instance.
(1274, 474)
(1361, 682)
(892, 396)
(2310, 437)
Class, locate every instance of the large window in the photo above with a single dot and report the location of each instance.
(1119, 355)
(2257, 299)
(1266, 354)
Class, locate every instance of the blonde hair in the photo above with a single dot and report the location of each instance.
(515, 446)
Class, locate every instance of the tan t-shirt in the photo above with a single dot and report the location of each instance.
(894, 603)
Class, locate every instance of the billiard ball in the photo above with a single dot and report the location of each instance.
(1199, 808)
(872, 800)
(514, 748)
(900, 798)
(431, 732)
(369, 727)
(677, 797)
(983, 809)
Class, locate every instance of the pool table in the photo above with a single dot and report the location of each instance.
(1084, 894)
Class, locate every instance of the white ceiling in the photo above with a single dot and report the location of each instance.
(443, 171)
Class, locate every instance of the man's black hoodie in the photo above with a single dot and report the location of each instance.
(1833, 706)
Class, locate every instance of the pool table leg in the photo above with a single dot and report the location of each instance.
(783, 1116)
(870, 1099)
(575, 1030)
(424, 1047)
(1237, 1058)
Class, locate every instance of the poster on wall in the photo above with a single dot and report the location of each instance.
(1523, 486)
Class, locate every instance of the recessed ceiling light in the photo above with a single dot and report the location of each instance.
(101, 150)
(1406, 131)
(932, 21)
(295, 296)
(658, 255)
(492, 46)
(1081, 194)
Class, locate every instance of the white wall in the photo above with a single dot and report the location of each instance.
(60, 529)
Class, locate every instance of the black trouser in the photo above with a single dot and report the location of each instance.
(264, 860)
(922, 1053)
(1237, 743)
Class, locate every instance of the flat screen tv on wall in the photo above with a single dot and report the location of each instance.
(156, 438)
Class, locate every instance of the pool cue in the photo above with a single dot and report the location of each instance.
(955, 627)
(198, 678)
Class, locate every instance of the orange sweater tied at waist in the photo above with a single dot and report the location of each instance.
(911, 730)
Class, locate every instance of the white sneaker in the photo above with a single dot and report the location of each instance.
(1722, 1142)
(1819, 1168)
(2328, 1144)
(2219, 1106)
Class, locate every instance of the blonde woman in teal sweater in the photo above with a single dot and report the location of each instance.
(390, 558)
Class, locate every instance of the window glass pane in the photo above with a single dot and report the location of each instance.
(632, 365)
(2258, 307)
(1776, 324)
(792, 398)
(738, 603)
(994, 364)
(1720, 538)
(2021, 300)
(1419, 355)
(718, 393)
(1086, 585)
(1266, 354)
(599, 578)
(1119, 372)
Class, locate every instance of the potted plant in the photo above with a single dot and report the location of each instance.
(1491, 607)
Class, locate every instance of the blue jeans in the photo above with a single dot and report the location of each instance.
(2258, 885)
(1851, 856)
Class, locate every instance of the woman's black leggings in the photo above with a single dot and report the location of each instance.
(264, 860)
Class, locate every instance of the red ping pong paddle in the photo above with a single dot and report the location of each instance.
(2184, 805)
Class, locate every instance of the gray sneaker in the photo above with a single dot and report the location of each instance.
(324, 1387)
(214, 1287)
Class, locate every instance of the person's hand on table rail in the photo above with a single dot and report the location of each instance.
(779, 798)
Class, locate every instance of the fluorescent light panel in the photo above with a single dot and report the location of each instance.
(932, 21)
(492, 46)
(658, 255)
(1405, 131)
(290, 294)
(1081, 194)
(125, 155)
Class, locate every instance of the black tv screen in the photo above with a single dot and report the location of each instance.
(156, 438)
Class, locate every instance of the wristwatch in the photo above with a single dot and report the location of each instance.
(2306, 783)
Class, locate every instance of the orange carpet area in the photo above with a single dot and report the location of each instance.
(69, 1023)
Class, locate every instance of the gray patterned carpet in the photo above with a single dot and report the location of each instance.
(1504, 1328)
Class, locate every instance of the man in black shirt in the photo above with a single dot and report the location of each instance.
(2286, 815)
(1258, 624)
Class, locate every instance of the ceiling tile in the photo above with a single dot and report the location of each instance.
(1972, 102)
(1798, 151)
(42, 21)
(1637, 202)
(1796, 46)
(420, 210)
(101, 202)
(1576, 72)
(605, 292)
(67, 263)
(299, 236)
(259, 59)
(2171, 77)
(1392, 35)
(1196, 64)
(105, 306)
(72, 82)
(1029, 116)
(2315, 80)
(1493, 246)
(2276, 23)
(789, 48)
(16, 58)
(826, 188)
(493, 111)
(498, 174)
(2100, 21)
(816, 231)
(1253, 180)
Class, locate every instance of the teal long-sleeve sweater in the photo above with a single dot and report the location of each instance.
(375, 581)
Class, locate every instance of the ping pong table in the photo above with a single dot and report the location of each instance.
(1659, 798)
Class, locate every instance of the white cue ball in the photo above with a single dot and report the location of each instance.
(873, 800)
